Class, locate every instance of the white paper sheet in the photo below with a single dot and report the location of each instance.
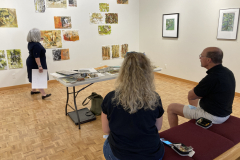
(39, 80)
(57, 75)
(92, 70)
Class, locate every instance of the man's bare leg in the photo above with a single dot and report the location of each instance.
(193, 102)
(173, 111)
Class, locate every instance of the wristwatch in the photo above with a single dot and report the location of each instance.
(40, 66)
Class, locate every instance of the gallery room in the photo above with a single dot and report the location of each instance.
(56, 55)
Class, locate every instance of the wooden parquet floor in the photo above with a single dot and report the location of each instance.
(36, 129)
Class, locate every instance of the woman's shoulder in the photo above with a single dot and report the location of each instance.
(110, 94)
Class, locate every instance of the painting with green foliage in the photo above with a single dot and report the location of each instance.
(14, 58)
(228, 21)
(169, 24)
(111, 18)
(104, 30)
(104, 7)
(115, 51)
(8, 17)
(3, 62)
(97, 18)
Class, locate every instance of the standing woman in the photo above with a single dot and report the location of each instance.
(36, 58)
(132, 113)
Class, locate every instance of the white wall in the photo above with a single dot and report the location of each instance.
(198, 25)
(84, 53)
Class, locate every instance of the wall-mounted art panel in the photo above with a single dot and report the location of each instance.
(72, 3)
(3, 62)
(40, 6)
(104, 30)
(111, 18)
(124, 50)
(97, 18)
(170, 25)
(56, 3)
(115, 51)
(14, 58)
(8, 17)
(105, 52)
(70, 35)
(104, 7)
(51, 39)
(62, 22)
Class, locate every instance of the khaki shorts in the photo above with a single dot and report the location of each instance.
(192, 112)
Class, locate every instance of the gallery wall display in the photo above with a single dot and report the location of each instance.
(105, 52)
(228, 23)
(39, 6)
(124, 50)
(62, 22)
(104, 30)
(70, 35)
(97, 18)
(104, 7)
(111, 18)
(115, 51)
(122, 1)
(51, 39)
(8, 17)
(170, 25)
(3, 62)
(72, 3)
(56, 3)
(14, 58)
(60, 54)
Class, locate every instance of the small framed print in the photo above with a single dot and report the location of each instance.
(170, 25)
(228, 23)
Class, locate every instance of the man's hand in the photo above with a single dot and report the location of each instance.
(40, 69)
(193, 98)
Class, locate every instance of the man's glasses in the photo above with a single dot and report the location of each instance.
(200, 56)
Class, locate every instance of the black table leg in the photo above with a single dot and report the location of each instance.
(67, 101)
(74, 98)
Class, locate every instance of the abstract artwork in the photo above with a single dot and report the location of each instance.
(115, 51)
(71, 35)
(124, 50)
(14, 58)
(228, 23)
(56, 3)
(62, 22)
(8, 17)
(72, 3)
(105, 52)
(170, 25)
(51, 39)
(3, 62)
(97, 18)
(60, 54)
(104, 7)
(122, 1)
(39, 6)
(65, 54)
(104, 30)
(111, 18)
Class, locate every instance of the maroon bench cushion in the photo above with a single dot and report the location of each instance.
(207, 144)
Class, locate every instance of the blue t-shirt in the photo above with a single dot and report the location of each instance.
(133, 136)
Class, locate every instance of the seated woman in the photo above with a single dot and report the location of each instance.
(132, 113)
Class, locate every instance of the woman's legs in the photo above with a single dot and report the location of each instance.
(43, 92)
(108, 152)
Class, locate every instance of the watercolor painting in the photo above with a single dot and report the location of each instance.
(104, 7)
(104, 30)
(72, 3)
(105, 52)
(56, 3)
(3, 62)
(8, 17)
(228, 21)
(111, 18)
(65, 54)
(97, 18)
(124, 50)
(56, 54)
(70, 35)
(14, 58)
(169, 24)
(39, 6)
(51, 39)
(62, 22)
(115, 51)
(122, 1)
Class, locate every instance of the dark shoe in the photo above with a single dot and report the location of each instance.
(48, 95)
(34, 92)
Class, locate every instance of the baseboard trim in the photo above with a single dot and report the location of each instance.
(23, 85)
(184, 80)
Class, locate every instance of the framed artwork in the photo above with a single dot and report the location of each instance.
(170, 25)
(228, 23)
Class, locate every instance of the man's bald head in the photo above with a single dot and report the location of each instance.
(216, 54)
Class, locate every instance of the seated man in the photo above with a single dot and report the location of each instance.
(213, 97)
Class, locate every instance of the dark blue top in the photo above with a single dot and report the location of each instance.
(133, 136)
(217, 90)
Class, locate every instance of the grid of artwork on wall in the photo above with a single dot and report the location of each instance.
(113, 51)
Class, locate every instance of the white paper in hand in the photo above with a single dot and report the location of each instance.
(39, 80)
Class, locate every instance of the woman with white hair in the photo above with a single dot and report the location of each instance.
(132, 113)
(36, 58)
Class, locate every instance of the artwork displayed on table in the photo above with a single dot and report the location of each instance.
(170, 25)
(124, 50)
(3, 62)
(39, 6)
(60, 54)
(62, 22)
(8, 17)
(70, 35)
(65, 54)
(122, 1)
(72, 3)
(228, 23)
(104, 7)
(115, 51)
(56, 3)
(97, 18)
(111, 18)
(51, 39)
(14, 58)
(104, 30)
(105, 52)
